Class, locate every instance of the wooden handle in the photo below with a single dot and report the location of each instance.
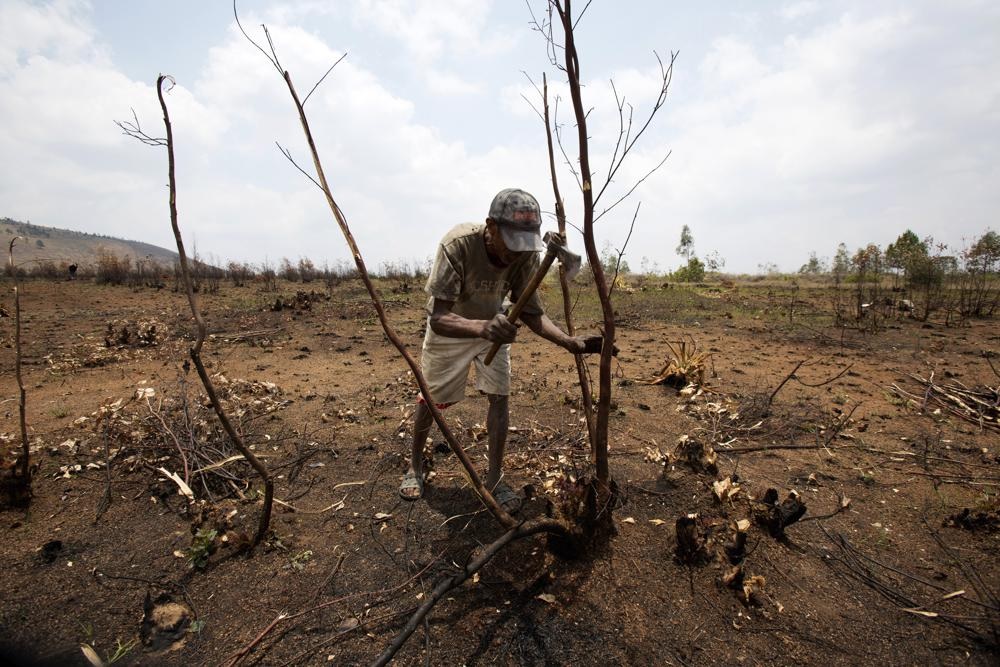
(522, 301)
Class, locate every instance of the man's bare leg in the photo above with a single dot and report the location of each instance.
(422, 421)
(497, 421)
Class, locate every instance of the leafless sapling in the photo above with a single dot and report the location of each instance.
(132, 129)
(17, 484)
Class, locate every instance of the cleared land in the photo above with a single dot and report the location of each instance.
(906, 573)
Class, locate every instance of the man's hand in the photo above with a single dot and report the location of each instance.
(589, 345)
(499, 330)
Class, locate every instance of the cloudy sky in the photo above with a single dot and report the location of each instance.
(791, 126)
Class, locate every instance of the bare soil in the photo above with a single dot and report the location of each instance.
(898, 576)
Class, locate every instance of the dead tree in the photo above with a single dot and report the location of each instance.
(132, 129)
(560, 12)
(17, 481)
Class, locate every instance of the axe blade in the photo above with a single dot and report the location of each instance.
(556, 246)
(571, 265)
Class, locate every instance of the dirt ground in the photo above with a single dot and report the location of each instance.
(884, 568)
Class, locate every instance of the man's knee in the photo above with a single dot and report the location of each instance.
(499, 400)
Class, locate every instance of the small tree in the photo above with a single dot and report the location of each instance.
(905, 253)
(686, 247)
(839, 270)
(814, 266)
(867, 266)
(288, 271)
(979, 293)
(692, 272)
(307, 270)
(714, 262)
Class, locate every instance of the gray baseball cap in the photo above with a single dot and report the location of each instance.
(519, 219)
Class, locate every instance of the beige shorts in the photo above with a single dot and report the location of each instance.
(445, 364)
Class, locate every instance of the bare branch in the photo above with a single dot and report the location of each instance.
(271, 58)
(634, 187)
(990, 362)
(582, 12)
(586, 399)
(666, 76)
(288, 156)
(270, 45)
(621, 252)
(828, 380)
(134, 129)
(770, 399)
(306, 98)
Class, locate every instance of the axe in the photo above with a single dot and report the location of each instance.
(555, 248)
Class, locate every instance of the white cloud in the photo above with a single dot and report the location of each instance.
(830, 137)
(846, 130)
(798, 10)
(445, 83)
(430, 29)
(58, 30)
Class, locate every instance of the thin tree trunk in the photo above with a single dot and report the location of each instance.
(195, 351)
(24, 468)
(572, 64)
(587, 400)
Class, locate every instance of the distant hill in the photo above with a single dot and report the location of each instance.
(64, 245)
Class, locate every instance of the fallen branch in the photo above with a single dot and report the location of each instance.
(791, 374)
(456, 580)
(283, 616)
(977, 406)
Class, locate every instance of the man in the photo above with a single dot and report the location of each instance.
(475, 267)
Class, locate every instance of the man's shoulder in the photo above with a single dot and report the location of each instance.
(463, 234)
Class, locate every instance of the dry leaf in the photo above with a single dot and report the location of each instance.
(657, 522)
(548, 598)
(725, 489)
(922, 612)
(628, 519)
(91, 655)
(953, 595)
(183, 488)
(382, 515)
(753, 586)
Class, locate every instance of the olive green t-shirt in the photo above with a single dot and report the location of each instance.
(464, 274)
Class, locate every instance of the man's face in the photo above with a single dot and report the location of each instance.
(497, 244)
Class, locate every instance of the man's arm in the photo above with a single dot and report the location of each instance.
(446, 323)
(547, 329)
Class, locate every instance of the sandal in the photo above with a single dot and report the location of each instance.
(507, 498)
(411, 482)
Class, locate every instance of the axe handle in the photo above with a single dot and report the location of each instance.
(522, 301)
